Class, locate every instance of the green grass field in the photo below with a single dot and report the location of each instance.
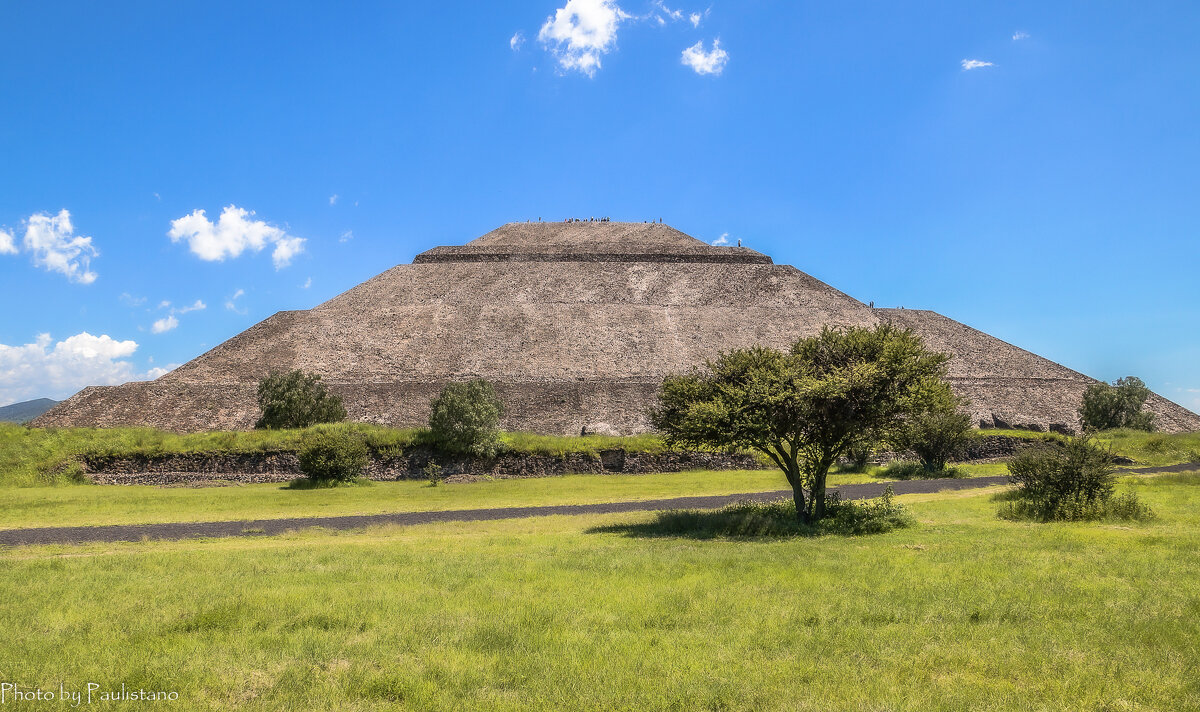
(963, 612)
(97, 505)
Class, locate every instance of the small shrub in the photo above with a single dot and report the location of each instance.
(296, 400)
(433, 473)
(1078, 469)
(1075, 508)
(1070, 483)
(858, 457)
(1116, 406)
(910, 470)
(872, 516)
(329, 455)
(465, 417)
(934, 435)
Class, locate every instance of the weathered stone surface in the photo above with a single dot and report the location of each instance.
(575, 324)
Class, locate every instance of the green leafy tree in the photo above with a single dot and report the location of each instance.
(295, 399)
(936, 429)
(465, 417)
(803, 409)
(1116, 406)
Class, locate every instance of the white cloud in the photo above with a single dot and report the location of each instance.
(164, 325)
(231, 303)
(702, 62)
(695, 18)
(164, 304)
(55, 246)
(722, 240)
(131, 301)
(1019, 35)
(347, 236)
(333, 199)
(307, 283)
(159, 370)
(515, 42)
(580, 31)
(196, 306)
(969, 64)
(233, 234)
(8, 245)
(39, 370)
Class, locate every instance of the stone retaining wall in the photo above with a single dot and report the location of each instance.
(195, 468)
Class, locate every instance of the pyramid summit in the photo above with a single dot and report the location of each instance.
(575, 323)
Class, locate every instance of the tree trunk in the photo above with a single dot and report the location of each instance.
(818, 491)
(798, 498)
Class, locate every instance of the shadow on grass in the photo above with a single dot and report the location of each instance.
(305, 483)
(768, 520)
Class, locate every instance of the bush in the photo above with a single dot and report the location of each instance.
(934, 435)
(330, 455)
(296, 400)
(909, 470)
(872, 516)
(433, 473)
(1116, 406)
(858, 457)
(1124, 507)
(1074, 482)
(465, 418)
(1079, 469)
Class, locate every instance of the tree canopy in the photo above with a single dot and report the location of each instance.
(805, 408)
(296, 399)
(1116, 406)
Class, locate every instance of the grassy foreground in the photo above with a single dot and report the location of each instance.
(965, 611)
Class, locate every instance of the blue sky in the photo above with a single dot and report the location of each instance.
(1029, 168)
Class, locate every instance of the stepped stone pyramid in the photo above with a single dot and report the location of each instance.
(575, 323)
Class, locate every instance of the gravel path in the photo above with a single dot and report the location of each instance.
(262, 527)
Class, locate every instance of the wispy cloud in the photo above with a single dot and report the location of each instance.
(711, 62)
(333, 199)
(231, 303)
(579, 32)
(346, 236)
(131, 301)
(233, 234)
(969, 64)
(722, 240)
(1019, 35)
(515, 42)
(307, 283)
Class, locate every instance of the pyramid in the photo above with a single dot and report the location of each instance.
(575, 323)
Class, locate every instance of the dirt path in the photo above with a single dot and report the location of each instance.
(263, 527)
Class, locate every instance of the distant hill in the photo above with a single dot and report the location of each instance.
(26, 411)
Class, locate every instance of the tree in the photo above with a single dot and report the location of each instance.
(296, 400)
(1116, 406)
(806, 408)
(465, 417)
(935, 431)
